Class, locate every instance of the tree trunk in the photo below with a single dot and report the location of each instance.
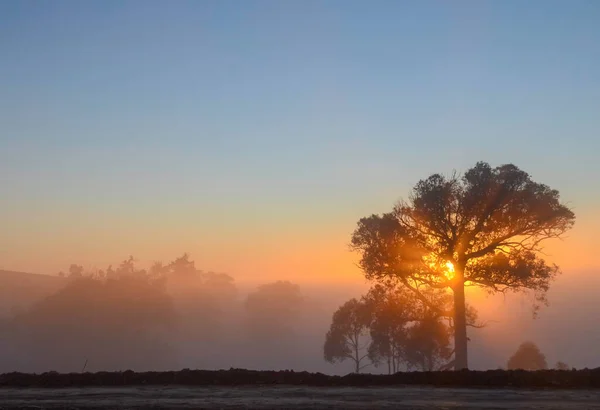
(460, 322)
(356, 353)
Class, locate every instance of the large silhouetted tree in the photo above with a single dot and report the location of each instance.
(527, 357)
(347, 335)
(484, 228)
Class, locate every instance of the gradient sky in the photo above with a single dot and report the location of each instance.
(254, 134)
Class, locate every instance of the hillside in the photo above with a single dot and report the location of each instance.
(19, 290)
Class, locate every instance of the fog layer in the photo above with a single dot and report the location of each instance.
(177, 316)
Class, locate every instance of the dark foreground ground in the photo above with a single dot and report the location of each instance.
(556, 379)
(245, 389)
(294, 397)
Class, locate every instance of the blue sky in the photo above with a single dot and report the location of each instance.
(278, 112)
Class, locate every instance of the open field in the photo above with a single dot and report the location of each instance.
(294, 397)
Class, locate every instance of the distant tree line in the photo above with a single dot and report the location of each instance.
(126, 317)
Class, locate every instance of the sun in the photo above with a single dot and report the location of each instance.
(449, 270)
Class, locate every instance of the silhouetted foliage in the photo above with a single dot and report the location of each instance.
(346, 338)
(392, 311)
(428, 344)
(406, 331)
(527, 357)
(489, 224)
(561, 366)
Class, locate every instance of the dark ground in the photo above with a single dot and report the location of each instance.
(294, 397)
(555, 379)
(246, 389)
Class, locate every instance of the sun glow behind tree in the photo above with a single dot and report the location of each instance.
(485, 228)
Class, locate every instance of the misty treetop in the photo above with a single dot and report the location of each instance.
(529, 357)
(483, 228)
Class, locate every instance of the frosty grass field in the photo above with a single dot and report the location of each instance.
(289, 397)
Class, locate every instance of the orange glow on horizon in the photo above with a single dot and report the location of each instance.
(296, 251)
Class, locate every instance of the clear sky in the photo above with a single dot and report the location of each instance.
(254, 134)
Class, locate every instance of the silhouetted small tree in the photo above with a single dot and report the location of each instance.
(561, 366)
(527, 357)
(405, 331)
(392, 309)
(428, 345)
(484, 228)
(347, 338)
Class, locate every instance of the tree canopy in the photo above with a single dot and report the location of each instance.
(392, 309)
(484, 228)
(405, 331)
(428, 343)
(527, 357)
(201, 300)
(346, 338)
